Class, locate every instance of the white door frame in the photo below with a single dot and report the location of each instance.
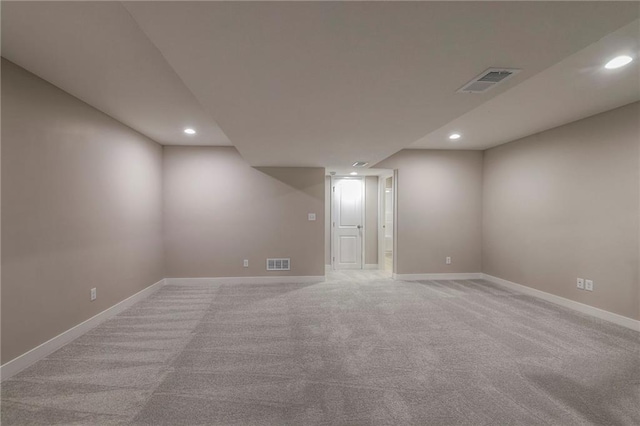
(333, 218)
(381, 217)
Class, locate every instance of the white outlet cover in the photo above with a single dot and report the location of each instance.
(312, 216)
(94, 294)
(245, 263)
(588, 285)
(580, 283)
(448, 260)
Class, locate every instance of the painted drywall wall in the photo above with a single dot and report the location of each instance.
(438, 210)
(371, 220)
(218, 211)
(81, 208)
(564, 204)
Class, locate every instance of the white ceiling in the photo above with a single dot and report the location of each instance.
(96, 52)
(329, 83)
(574, 88)
(321, 83)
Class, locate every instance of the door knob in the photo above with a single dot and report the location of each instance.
(359, 226)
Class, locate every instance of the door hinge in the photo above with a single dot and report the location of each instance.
(334, 189)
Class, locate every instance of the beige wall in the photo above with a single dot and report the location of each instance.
(218, 211)
(439, 210)
(81, 208)
(564, 204)
(371, 220)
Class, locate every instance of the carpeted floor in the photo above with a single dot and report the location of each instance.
(359, 349)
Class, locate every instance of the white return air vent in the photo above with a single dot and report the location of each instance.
(488, 79)
(278, 264)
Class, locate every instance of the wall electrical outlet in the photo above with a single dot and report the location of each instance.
(245, 263)
(448, 260)
(580, 283)
(588, 285)
(94, 294)
(312, 216)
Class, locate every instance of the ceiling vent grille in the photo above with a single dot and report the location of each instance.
(488, 79)
(359, 164)
(278, 264)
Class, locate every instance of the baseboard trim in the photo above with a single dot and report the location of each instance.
(247, 280)
(29, 358)
(371, 266)
(567, 303)
(453, 276)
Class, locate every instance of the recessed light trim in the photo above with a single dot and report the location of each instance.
(618, 62)
(353, 173)
(190, 131)
(455, 136)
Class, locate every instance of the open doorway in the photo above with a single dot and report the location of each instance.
(357, 222)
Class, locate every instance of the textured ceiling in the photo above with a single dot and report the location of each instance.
(96, 52)
(574, 88)
(325, 83)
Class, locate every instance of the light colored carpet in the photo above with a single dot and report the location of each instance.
(359, 349)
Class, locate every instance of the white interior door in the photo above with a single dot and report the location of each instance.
(348, 222)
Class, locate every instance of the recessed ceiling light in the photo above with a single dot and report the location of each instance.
(190, 131)
(618, 61)
(454, 136)
(353, 173)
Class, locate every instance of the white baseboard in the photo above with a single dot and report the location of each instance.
(567, 303)
(247, 280)
(453, 276)
(371, 266)
(18, 364)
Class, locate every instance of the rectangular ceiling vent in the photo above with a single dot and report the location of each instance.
(278, 264)
(488, 79)
(359, 164)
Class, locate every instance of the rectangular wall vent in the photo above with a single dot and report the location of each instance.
(278, 264)
(488, 79)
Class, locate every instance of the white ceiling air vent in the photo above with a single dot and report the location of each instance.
(488, 80)
(278, 264)
(359, 164)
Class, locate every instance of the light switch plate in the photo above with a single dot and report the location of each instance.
(312, 216)
(580, 283)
